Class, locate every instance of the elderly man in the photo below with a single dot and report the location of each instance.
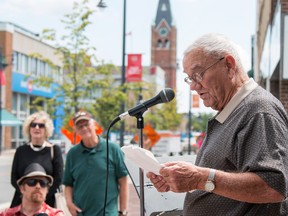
(242, 165)
(34, 186)
(85, 173)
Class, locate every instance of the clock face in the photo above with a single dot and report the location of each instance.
(163, 31)
(209, 186)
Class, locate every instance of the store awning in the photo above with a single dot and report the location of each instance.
(7, 119)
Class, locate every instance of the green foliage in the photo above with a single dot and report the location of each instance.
(199, 122)
(107, 107)
(165, 117)
(82, 82)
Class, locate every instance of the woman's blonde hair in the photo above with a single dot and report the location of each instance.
(41, 115)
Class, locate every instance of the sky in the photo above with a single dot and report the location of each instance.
(193, 18)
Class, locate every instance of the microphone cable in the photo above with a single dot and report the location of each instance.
(107, 163)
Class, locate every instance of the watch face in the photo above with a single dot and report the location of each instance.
(209, 186)
(163, 31)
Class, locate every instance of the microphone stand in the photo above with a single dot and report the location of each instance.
(140, 126)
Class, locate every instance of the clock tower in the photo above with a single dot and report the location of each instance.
(163, 43)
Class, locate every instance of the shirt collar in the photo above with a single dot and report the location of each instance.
(98, 147)
(245, 90)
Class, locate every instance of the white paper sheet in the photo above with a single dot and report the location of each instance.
(142, 158)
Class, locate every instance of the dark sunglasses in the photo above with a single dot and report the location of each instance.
(40, 125)
(33, 182)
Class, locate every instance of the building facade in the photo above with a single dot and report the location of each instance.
(164, 43)
(271, 48)
(18, 46)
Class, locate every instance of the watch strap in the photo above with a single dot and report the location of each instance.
(211, 176)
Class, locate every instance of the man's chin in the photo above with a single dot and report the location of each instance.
(37, 198)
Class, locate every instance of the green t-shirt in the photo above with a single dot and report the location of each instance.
(85, 171)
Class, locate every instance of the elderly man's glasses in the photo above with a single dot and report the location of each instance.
(198, 77)
(33, 182)
(34, 125)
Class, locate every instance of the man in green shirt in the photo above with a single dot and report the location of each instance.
(85, 173)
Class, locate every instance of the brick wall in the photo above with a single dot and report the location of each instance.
(284, 4)
(6, 45)
(284, 94)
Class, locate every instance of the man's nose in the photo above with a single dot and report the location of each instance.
(195, 86)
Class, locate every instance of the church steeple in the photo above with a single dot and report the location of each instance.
(164, 13)
(163, 43)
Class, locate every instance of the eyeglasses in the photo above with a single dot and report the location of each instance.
(33, 182)
(198, 77)
(34, 124)
(80, 127)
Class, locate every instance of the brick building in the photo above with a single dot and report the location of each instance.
(17, 45)
(163, 43)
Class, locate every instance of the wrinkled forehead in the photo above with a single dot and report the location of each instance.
(193, 60)
(194, 55)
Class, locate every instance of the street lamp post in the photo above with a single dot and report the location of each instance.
(123, 71)
(189, 122)
(102, 4)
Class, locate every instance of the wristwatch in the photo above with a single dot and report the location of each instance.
(123, 212)
(210, 183)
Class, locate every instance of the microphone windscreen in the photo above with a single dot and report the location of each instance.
(167, 95)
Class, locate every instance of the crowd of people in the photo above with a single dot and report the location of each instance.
(38, 172)
(241, 167)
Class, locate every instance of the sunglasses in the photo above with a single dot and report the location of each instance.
(40, 125)
(33, 182)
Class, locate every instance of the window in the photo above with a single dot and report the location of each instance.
(167, 43)
(159, 43)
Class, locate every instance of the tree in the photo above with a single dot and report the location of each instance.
(200, 121)
(82, 81)
(165, 117)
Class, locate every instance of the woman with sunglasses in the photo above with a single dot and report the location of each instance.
(38, 128)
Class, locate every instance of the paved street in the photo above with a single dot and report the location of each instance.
(7, 190)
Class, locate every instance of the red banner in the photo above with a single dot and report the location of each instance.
(134, 68)
(3, 79)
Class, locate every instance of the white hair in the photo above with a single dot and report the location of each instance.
(217, 45)
(41, 115)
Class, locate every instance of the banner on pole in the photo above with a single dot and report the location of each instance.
(195, 101)
(3, 79)
(134, 68)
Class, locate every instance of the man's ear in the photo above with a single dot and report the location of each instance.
(230, 62)
(21, 188)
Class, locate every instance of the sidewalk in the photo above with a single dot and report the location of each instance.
(6, 158)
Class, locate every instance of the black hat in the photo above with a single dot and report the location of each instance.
(33, 170)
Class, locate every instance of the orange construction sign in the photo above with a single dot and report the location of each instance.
(149, 131)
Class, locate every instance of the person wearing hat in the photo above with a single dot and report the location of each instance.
(37, 128)
(34, 186)
(85, 173)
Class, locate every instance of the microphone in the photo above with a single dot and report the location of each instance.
(164, 96)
